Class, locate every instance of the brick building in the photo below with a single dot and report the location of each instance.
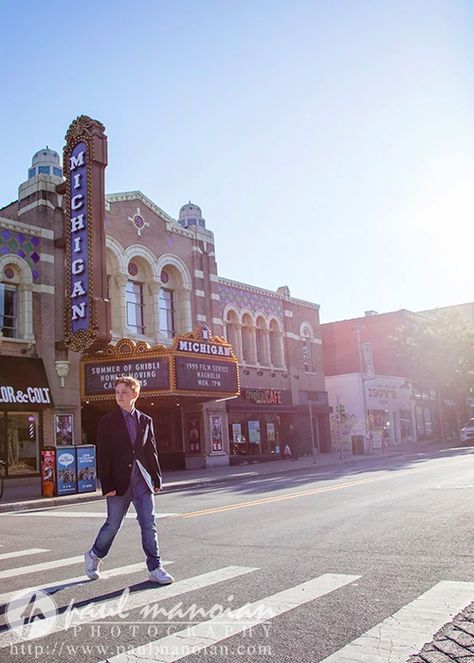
(162, 283)
(375, 398)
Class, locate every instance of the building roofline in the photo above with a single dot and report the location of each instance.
(377, 315)
(269, 293)
(442, 308)
(138, 195)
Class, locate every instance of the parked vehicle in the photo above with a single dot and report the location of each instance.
(467, 431)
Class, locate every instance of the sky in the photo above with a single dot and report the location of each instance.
(330, 144)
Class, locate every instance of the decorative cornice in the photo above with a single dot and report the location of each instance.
(138, 195)
(126, 346)
(303, 302)
(267, 293)
(249, 288)
(25, 228)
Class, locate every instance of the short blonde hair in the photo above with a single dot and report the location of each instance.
(130, 381)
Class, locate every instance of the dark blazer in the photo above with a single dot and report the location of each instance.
(115, 453)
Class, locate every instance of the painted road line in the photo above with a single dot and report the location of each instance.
(94, 611)
(287, 496)
(202, 635)
(21, 553)
(312, 491)
(43, 566)
(55, 585)
(405, 632)
(81, 514)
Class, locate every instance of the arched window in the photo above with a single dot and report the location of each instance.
(9, 309)
(232, 332)
(138, 297)
(174, 302)
(114, 294)
(248, 340)
(16, 302)
(166, 303)
(277, 355)
(135, 306)
(262, 342)
(307, 337)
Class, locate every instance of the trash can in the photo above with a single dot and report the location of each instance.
(66, 477)
(86, 469)
(48, 471)
(358, 444)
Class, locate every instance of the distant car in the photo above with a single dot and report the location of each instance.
(467, 431)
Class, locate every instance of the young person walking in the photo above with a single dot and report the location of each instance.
(129, 471)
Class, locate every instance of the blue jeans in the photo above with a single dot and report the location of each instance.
(117, 507)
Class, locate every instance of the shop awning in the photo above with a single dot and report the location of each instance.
(24, 384)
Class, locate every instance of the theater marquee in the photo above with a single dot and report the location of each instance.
(87, 311)
(197, 365)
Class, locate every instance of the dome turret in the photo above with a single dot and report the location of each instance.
(191, 215)
(45, 162)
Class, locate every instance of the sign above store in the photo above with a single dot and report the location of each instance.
(153, 374)
(268, 396)
(87, 314)
(204, 375)
(204, 364)
(163, 371)
(23, 384)
(388, 393)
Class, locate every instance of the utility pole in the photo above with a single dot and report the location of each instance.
(364, 397)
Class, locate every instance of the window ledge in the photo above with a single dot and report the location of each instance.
(17, 341)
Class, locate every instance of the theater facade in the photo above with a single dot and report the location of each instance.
(95, 285)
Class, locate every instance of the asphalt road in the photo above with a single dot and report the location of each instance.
(322, 557)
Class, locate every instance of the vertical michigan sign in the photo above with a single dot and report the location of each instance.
(87, 311)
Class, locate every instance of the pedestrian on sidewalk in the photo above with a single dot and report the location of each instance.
(129, 471)
(294, 440)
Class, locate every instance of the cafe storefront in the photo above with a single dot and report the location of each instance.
(184, 390)
(258, 421)
(25, 397)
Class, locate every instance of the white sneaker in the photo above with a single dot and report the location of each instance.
(161, 576)
(92, 563)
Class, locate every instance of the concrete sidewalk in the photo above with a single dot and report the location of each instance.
(21, 494)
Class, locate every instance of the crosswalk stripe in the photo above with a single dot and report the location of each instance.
(205, 634)
(21, 553)
(69, 619)
(42, 566)
(81, 514)
(62, 584)
(405, 632)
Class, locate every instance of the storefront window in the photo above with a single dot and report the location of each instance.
(254, 436)
(22, 437)
(424, 422)
(376, 419)
(406, 425)
(260, 435)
